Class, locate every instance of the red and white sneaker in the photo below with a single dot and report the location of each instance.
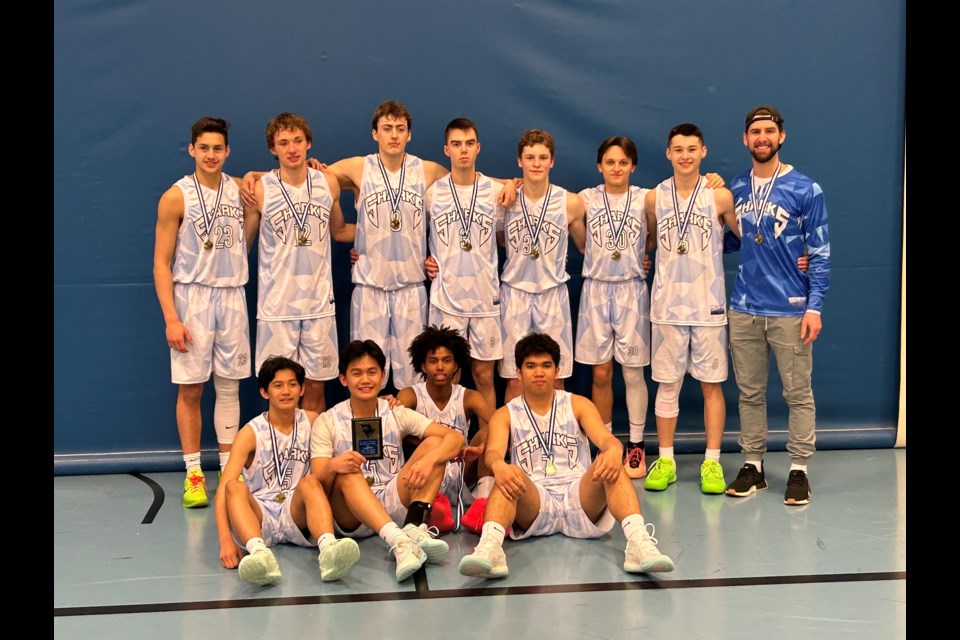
(635, 462)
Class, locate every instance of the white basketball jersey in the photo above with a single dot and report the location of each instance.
(397, 424)
(536, 242)
(616, 239)
(391, 229)
(569, 445)
(688, 284)
(224, 263)
(294, 251)
(452, 414)
(291, 452)
(463, 242)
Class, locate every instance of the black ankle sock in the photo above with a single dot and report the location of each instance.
(418, 513)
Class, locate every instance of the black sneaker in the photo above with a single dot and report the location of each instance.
(748, 481)
(798, 488)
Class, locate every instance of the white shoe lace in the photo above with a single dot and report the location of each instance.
(422, 532)
(404, 548)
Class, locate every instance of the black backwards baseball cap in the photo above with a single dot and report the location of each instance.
(763, 112)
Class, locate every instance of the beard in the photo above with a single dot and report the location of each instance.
(765, 155)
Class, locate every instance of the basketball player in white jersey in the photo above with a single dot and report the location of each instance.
(267, 495)
(298, 213)
(199, 269)
(463, 214)
(688, 303)
(614, 318)
(552, 485)
(437, 355)
(389, 301)
(533, 289)
(379, 494)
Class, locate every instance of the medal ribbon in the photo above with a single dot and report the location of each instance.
(282, 470)
(465, 220)
(300, 219)
(766, 189)
(684, 223)
(535, 233)
(394, 195)
(617, 231)
(208, 216)
(550, 429)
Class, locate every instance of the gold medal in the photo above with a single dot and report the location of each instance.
(758, 238)
(369, 480)
(280, 498)
(682, 247)
(395, 223)
(465, 245)
(551, 468)
(534, 254)
(301, 241)
(208, 245)
(616, 255)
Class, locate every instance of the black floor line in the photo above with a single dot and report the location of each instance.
(425, 594)
(158, 496)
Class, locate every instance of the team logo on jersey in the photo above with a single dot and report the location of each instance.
(781, 217)
(391, 460)
(378, 209)
(220, 222)
(602, 230)
(291, 453)
(529, 452)
(448, 226)
(291, 232)
(521, 241)
(699, 231)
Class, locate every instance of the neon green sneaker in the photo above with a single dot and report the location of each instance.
(195, 490)
(711, 477)
(662, 474)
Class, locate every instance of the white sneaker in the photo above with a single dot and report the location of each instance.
(642, 555)
(337, 558)
(486, 561)
(260, 567)
(435, 549)
(410, 557)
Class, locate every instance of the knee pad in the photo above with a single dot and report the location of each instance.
(226, 409)
(668, 399)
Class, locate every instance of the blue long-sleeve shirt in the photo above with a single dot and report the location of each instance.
(794, 217)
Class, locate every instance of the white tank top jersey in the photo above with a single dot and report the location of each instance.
(294, 252)
(463, 241)
(397, 424)
(224, 263)
(688, 283)
(616, 240)
(452, 414)
(568, 444)
(391, 229)
(291, 452)
(536, 242)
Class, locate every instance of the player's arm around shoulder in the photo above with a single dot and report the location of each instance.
(433, 171)
(348, 172)
(244, 446)
(650, 211)
(339, 229)
(723, 198)
(576, 211)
